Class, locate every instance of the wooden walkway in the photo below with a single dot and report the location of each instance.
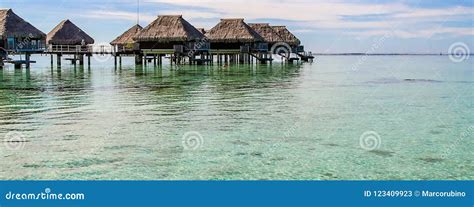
(145, 56)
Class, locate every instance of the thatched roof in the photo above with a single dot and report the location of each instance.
(11, 25)
(233, 30)
(202, 30)
(287, 36)
(67, 33)
(169, 28)
(127, 37)
(267, 32)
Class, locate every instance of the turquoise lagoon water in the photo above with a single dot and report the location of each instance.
(288, 122)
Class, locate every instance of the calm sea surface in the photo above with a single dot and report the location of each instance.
(341, 117)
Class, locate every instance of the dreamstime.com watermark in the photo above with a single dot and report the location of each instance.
(102, 47)
(370, 140)
(14, 140)
(282, 49)
(47, 194)
(192, 140)
(198, 46)
(459, 52)
(25, 42)
(373, 49)
(458, 142)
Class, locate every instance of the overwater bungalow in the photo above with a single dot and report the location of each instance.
(67, 37)
(169, 34)
(125, 42)
(267, 32)
(17, 35)
(235, 34)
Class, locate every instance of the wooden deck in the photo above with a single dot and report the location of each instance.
(224, 51)
(144, 56)
(157, 51)
(19, 63)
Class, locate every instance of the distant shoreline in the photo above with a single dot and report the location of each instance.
(386, 54)
(376, 54)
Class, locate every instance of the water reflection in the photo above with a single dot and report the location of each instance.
(165, 93)
(257, 122)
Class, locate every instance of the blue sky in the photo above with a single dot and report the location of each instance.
(379, 26)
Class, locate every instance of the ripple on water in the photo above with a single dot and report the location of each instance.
(239, 142)
(382, 153)
(81, 163)
(144, 113)
(431, 159)
(435, 132)
(89, 162)
(331, 145)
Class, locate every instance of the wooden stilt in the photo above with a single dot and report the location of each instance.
(27, 59)
(81, 59)
(58, 60)
(138, 59)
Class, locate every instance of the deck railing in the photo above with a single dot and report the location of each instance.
(123, 48)
(69, 48)
(101, 49)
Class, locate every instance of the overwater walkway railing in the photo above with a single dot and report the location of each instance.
(69, 49)
(79, 49)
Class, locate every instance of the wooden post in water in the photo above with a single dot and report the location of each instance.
(58, 60)
(52, 60)
(89, 60)
(81, 59)
(138, 59)
(27, 59)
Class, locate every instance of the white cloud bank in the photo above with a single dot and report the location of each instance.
(314, 15)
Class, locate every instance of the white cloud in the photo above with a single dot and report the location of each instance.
(316, 15)
(303, 10)
(422, 33)
(313, 16)
(190, 14)
(117, 15)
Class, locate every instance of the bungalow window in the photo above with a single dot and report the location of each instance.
(11, 43)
